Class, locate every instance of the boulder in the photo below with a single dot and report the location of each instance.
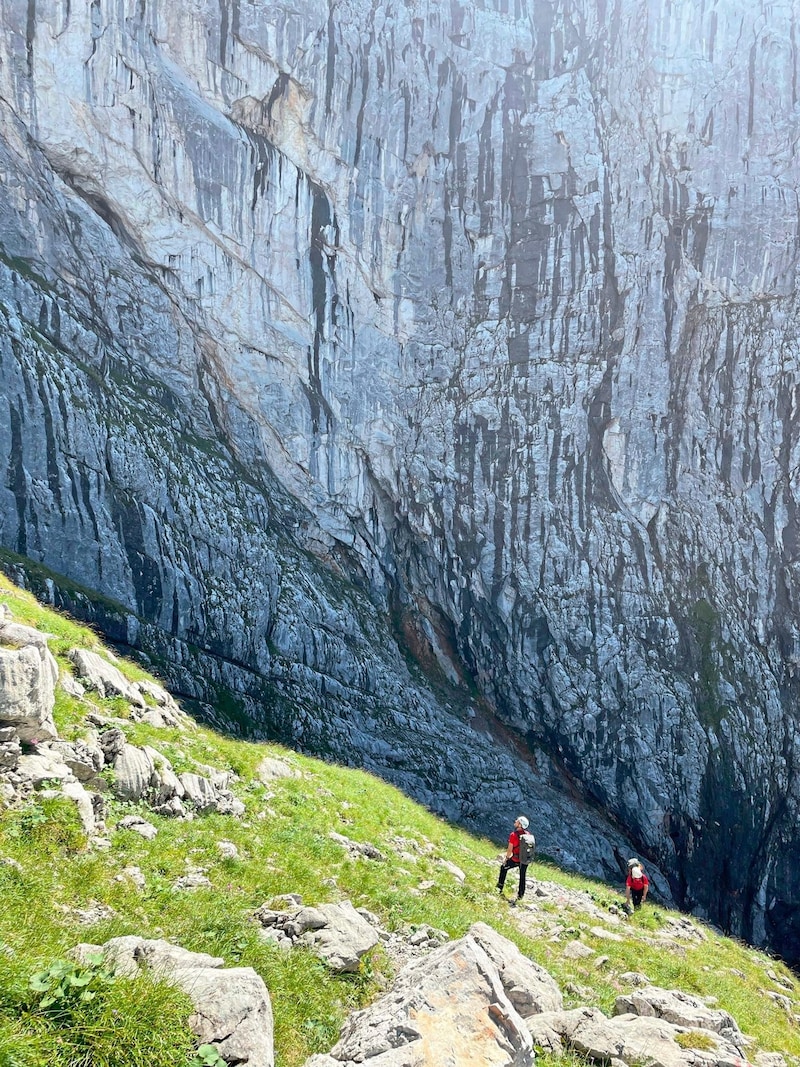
(133, 773)
(168, 713)
(139, 826)
(448, 1009)
(82, 758)
(232, 1008)
(343, 939)
(336, 932)
(200, 792)
(357, 848)
(19, 635)
(98, 674)
(28, 678)
(83, 800)
(112, 742)
(37, 769)
(576, 950)
(271, 768)
(124, 955)
(167, 785)
(211, 794)
(71, 686)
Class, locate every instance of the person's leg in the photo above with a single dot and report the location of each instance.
(523, 874)
(501, 878)
(637, 898)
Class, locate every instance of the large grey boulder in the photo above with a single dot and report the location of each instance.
(272, 768)
(165, 784)
(232, 1007)
(448, 1009)
(28, 677)
(210, 794)
(343, 939)
(232, 1011)
(83, 801)
(138, 825)
(39, 768)
(19, 635)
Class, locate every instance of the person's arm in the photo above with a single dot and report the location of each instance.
(510, 849)
(646, 889)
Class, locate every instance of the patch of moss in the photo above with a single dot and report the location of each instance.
(698, 1039)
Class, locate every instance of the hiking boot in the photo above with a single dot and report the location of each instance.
(512, 903)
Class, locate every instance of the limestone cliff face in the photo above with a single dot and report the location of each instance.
(478, 320)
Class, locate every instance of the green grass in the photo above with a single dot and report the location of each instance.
(283, 846)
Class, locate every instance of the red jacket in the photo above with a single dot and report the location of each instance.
(513, 840)
(637, 883)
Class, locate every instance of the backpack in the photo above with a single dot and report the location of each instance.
(527, 847)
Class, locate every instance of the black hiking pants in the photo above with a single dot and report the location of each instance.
(505, 867)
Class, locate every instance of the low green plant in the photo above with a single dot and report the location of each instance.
(64, 981)
(207, 1056)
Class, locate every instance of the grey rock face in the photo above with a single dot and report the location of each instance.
(479, 324)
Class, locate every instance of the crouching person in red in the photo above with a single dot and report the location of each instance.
(636, 885)
(514, 859)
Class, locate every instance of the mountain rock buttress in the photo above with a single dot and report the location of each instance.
(420, 384)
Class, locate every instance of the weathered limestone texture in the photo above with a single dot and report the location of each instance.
(329, 333)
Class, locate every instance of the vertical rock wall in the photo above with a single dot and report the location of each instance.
(493, 307)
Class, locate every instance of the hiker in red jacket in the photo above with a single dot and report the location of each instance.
(636, 885)
(512, 859)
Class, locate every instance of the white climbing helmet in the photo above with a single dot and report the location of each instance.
(521, 819)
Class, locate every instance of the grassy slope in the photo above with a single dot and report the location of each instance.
(283, 847)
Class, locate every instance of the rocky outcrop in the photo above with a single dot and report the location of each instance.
(479, 1000)
(449, 1008)
(33, 756)
(333, 335)
(630, 1039)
